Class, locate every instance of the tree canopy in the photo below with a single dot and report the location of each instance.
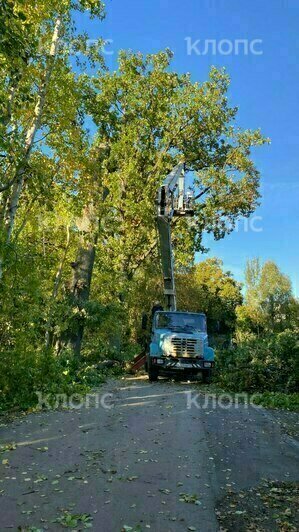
(207, 288)
(269, 303)
(83, 152)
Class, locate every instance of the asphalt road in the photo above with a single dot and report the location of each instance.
(158, 458)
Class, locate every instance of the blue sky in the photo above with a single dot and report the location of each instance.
(264, 86)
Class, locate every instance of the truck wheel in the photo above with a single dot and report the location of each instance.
(152, 374)
(206, 376)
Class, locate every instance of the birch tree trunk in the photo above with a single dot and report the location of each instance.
(13, 202)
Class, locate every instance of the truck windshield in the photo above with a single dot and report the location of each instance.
(180, 321)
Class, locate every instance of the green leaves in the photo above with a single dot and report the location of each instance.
(262, 364)
(83, 224)
(189, 498)
(96, 7)
(150, 117)
(269, 305)
(69, 520)
(207, 288)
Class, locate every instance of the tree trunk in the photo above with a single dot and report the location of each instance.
(88, 225)
(49, 325)
(13, 201)
(80, 290)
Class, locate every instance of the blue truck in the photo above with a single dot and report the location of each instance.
(179, 341)
(179, 346)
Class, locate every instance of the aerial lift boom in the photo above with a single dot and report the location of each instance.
(172, 202)
(178, 339)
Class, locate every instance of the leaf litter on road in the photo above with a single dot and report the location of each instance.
(191, 499)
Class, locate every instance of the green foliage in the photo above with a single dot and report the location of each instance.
(269, 304)
(13, 38)
(283, 401)
(69, 520)
(25, 373)
(269, 364)
(148, 118)
(207, 288)
(78, 249)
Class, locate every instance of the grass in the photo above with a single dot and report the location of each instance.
(273, 400)
(278, 400)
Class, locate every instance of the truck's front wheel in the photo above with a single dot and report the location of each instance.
(152, 374)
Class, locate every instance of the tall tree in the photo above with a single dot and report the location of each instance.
(42, 95)
(269, 302)
(44, 143)
(275, 295)
(207, 288)
(148, 118)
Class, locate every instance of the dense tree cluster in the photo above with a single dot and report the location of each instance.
(265, 355)
(82, 154)
(207, 288)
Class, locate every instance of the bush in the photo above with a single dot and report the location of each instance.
(278, 400)
(261, 364)
(17, 377)
(26, 372)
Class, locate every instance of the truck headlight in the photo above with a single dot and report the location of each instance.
(167, 347)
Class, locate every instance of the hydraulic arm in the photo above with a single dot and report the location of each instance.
(172, 201)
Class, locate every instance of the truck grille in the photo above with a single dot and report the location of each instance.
(186, 347)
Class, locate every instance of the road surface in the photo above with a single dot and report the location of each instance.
(147, 456)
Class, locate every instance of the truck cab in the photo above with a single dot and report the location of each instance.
(179, 345)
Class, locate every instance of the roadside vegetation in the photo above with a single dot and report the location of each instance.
(264, 353)
(256, 335)
(83, 152)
